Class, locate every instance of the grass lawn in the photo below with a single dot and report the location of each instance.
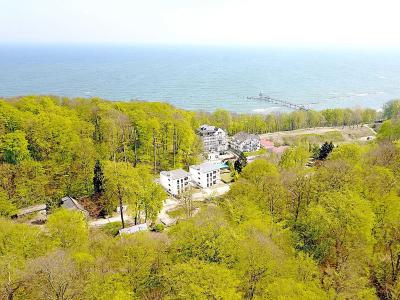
(179, 212)
(254, 153)
(226, 177)
(313, 138)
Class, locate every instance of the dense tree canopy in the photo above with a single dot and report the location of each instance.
(256, 123)
(49, 146)
(287, 229)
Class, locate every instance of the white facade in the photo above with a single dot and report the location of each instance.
(175, 181)
(213, 156)
(214, 138)
(245, 142)
(205, 175)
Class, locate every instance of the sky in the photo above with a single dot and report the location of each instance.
(361, 23)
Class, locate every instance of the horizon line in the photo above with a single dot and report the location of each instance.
(310, 46)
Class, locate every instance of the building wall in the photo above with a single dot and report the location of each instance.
(248, 145)
(216, 142)
(206, 179)
(213, 156)
(174, 186)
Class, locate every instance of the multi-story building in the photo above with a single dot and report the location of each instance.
(206, 174)
(175, 181)
(214, 139)
(245, 142)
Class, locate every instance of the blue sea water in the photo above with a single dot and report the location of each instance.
(203, 78)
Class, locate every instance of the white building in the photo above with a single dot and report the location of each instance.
(213, 156)
(245, 142)
(175, 181)
(205, 175)
(214, 138)
(134, 229)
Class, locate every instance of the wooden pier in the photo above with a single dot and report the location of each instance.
(284, 103)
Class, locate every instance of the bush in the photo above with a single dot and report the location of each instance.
(158, 228)
(68, 229)
(112, 228)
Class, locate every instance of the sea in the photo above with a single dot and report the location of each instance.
(204, 77)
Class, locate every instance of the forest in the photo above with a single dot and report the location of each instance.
(285, 230)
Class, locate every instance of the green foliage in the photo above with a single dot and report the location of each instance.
(200, 280)
(263, 176)
(296, 156)
(7, 208)
(120, 184)
(324, 151)
(14, 147)
(98, 179)
(126, 185)
(348, 152)
(255, 153)
(65, 137)
(18, 244)
(112, 228)
(255, 123)
(158, 228)
(68, 229)
(207, 238)
(390, 130)
(314, 138)
(391, 109)
(287, 231)
(240, 163)
(23, 184)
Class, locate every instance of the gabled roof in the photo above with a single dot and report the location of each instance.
(240, 137)
(70, 203)
(175, 174)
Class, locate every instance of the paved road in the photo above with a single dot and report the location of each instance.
(169, 204)
(163, 216)
(172, 203)
(102, 222)
(216, 190)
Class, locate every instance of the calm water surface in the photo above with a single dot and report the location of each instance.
(203, 78)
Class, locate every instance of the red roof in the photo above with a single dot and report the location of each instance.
(279, 150)
(267, 144)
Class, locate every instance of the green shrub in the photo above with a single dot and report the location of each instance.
(158, 228)
(112, 228)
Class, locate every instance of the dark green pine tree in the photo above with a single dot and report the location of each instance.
(326, 148)
(240, 163)
(98, 179)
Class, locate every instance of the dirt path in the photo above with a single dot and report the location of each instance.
(102, 222)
